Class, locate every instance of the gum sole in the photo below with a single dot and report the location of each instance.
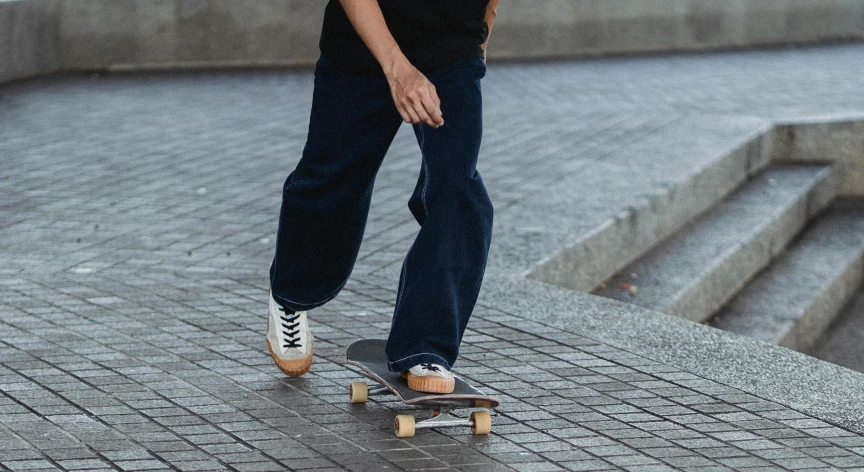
(293, 368)
(430, 384)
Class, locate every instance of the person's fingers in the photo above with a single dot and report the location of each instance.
(430, 114)
(409, 110)
(434, 93)
(398, 102)
(423, 115)
(405, 116)
(433, 107)
(419, 108)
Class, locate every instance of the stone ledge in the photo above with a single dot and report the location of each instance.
(836, 139)
(553, 28)
(40, 36)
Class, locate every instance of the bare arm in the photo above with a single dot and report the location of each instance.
(413, 94)
(491, 14)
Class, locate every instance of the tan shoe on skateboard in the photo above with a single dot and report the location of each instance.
(430, 378)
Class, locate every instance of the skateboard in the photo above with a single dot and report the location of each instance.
(368, 355)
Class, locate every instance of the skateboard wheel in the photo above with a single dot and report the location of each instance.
(359, 392)
(482, 422)
(404, 425)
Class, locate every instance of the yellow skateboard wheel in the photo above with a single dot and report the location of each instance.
(404, 425)
(482, 422)
(359, 392)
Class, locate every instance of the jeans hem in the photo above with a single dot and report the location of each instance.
(297, 306)
(408, 362)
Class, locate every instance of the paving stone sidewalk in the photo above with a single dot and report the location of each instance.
(137, 217)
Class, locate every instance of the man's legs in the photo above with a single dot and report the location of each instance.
(443, 270)
(325, 204)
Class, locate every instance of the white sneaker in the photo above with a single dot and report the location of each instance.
(289, 339)
(430, 378)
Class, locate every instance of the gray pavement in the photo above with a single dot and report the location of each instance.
(137, 217)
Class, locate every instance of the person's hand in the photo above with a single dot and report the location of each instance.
(415, 96)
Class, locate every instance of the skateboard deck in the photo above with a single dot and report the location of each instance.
(368, 355)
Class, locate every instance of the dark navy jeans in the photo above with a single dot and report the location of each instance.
(325, 204)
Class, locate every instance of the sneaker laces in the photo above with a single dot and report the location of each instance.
(291, 325)
(430, 367)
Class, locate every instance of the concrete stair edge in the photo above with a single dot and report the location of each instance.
(601, 253)
(803, 335)
(811, 318)
(839, 343)
(704, 296)
(763, 221)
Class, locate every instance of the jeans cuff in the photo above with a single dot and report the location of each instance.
(405, 363)
(298, 306)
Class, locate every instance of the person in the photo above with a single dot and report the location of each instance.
(382, 63)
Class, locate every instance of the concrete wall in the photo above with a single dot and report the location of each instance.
(547, 28)
(836, 140)
(28, 38)
(45, 35)
(131, 34)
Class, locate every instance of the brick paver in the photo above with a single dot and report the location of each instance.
(137, 217)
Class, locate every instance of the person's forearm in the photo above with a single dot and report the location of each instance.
(368, 21)
(491, 13)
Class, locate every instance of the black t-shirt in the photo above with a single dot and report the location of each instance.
(431, 33)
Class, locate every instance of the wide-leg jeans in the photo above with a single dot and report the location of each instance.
(326, 199)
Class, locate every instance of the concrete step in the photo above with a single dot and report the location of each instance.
(580, 230)
(694, 272)
(843, 342)
(797, 297)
